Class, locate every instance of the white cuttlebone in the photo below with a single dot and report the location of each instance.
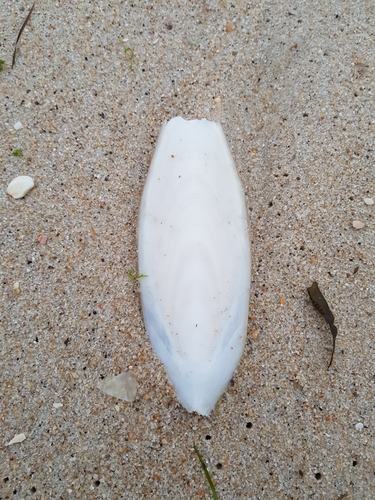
(193, 245)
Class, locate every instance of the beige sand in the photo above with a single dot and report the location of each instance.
(293, 86)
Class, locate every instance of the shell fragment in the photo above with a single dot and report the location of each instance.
(20, 186)
(17, 439)
(193, 245)
(357, 224)
(123, 386)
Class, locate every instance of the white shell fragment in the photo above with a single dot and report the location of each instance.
(368, 201)
(57, 405)
(17, 439)
(359, 426)
(123, 386)
(193, 245)
(20, 186)
(18, 126)
(357, 224)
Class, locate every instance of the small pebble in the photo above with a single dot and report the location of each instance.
(16, 285)
(20, 186)
(123, 386)
(359, 426)
(18, 125)
(368, 201)
(357, 224)
(42, 239)
(57, 405)
(17, 439)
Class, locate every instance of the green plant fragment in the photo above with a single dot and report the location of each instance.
(17, 152)
(131, 56)
(134, 277)
(207, 474)
(321, 305)
(2, 64)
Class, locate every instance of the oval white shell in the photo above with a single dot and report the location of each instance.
(194, 247)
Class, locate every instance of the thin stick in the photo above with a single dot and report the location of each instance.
(20, 33)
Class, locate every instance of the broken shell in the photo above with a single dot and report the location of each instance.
(17, 439)
(20, 186)
(123, 386)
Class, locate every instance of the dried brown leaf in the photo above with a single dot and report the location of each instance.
(321, 305)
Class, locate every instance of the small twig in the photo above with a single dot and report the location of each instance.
(207, 474)
(20, 33)
(321, 305)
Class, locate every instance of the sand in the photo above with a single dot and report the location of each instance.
(293, 86)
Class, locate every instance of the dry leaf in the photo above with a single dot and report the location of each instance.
(321, 305)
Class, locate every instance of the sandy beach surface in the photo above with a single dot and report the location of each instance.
(292, 84)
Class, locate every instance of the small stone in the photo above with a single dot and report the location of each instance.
(20, 186)
(16, 285)
(359, 426)
(254, 334)
(123, 386)
(357, 224)
(17, 439)
(57, 405)
(42, 239)
(368, 201)
(18, 125)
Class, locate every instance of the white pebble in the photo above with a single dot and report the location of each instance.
(16, 285)
(359, 426)
(123, 386)
(18, 125)
(20, 186)
(17, 439)
(368, 201)
(57, 405)
(357, 224)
